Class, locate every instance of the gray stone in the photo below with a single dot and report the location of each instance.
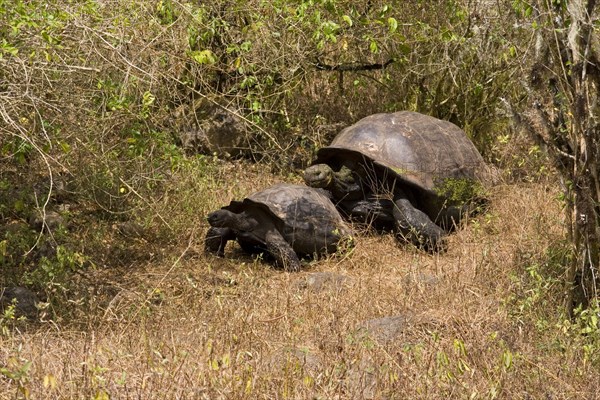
(300, 359)
(384, 330)
(420, 278)
(361, 380)
(59, 192)
(319, 281)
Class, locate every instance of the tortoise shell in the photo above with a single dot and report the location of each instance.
(414, 148)
(305, 216)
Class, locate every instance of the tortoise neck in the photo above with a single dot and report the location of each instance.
(244, 223)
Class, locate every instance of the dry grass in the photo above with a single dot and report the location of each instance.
(190, 326)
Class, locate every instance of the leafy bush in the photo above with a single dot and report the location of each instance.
(95, 95)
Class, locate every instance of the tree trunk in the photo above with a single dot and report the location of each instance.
(583, 136)
(565, 82)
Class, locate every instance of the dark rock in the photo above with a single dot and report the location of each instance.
(52, 220)
(25, 299)
(212, 129)
(59, 192)
(45, 248)
(131, 229)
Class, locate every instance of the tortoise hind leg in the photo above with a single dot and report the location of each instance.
(416, 227)
(216, 240)
(280, 249)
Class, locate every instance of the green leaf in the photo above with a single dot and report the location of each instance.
(392, 24)
(4, 248)
(46, 37)
(330, 29)
(404, 48)
(347, 19)
(203, 56)
(66, 148)
(148, 99)
(507, 359)
(8, 49)
(101, 395)
(246, 46)
(373, 46)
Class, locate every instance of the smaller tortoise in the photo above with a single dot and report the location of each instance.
(406, 171)
(285, 221)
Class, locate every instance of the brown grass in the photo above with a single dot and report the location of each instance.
(190, 326)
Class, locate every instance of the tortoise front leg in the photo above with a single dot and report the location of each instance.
(280, 249)
(372, 211)
(416, 227)
(216, 240)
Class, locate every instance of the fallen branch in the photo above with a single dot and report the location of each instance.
(353, 66)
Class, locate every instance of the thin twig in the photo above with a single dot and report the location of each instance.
(132, 190)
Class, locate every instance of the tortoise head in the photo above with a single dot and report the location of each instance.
(319, 176)
(226, 219)
(342, 183)
(222, 219)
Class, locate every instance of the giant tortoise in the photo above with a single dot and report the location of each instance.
(285, 221)
(405, 170)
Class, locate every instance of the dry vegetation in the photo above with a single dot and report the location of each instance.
(476, 322)
(93, 96)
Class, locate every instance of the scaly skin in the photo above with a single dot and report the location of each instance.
(416, 227)
(280, 249)
(412, 224)
(226, 226)
(216, 240)
(343, 184)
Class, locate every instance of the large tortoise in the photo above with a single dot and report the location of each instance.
(404, 170)
(285, 221)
